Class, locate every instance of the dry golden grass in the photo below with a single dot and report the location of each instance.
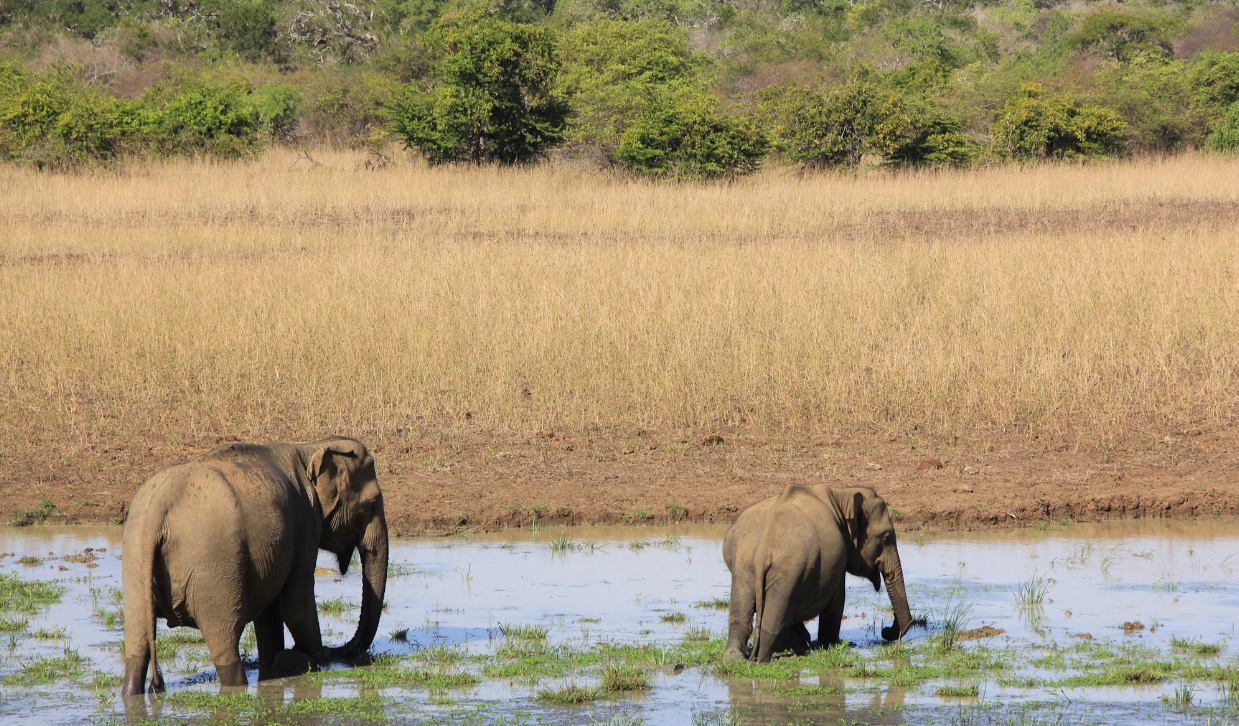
(1078, 304)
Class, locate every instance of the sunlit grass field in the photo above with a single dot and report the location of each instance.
(277, 299)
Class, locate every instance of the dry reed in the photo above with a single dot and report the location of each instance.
(1075, 303)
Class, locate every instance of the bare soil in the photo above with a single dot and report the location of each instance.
(479, 482)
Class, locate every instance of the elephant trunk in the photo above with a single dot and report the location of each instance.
(373, 553)
(892, 572)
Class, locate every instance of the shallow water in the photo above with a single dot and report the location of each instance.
(1180, 580)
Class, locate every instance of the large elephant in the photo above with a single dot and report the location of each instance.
(232, 537)
(788, 555)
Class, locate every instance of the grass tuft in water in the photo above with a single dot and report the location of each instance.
(44, 669)
(697, 634)
(715, 717)
(620, 719)
(524, 631)
(967, 690)
(675, 618)
(562, 543)
(336, 605)
(955, 614)
(400, 635)
(1181, 698)
(1031, 593)
(569, 694)
(624, 677)
(28, 596)
(49, 633)
(718, 603)
(14, 625)
(1196, 646)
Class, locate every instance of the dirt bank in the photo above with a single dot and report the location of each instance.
(483, 483)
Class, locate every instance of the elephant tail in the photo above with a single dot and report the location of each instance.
(138, 577)
(761, 566)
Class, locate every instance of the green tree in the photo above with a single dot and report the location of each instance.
(249, 28)
(612, 68)
(936, 141)
(684, 134)
(836, 128)
(494, 97)
(51, 119)
(1122, 37)
(1037, 124)
(1225, 136)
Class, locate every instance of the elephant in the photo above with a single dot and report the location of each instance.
(232, 537)
(788, 555)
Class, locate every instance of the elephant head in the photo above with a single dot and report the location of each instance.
(872, 552)
(342, 473)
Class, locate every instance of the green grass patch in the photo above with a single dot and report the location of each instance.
(49, 633)
(624, 677)
(569, 694)
(524, 631)
(1196, 646)
(40, 670)
(673, 618)
(967, 690)
(14, 625)
(28, 596)
(718, 603)
(336, 606)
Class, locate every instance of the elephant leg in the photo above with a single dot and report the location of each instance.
(740, 620)
(223, 640)
(774, 619)
(300, 613)
(269, 631)
(831, 619)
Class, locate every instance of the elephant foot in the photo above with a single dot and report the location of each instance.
(891, 633)
(292, 663)
(231, 675)
(734, 654)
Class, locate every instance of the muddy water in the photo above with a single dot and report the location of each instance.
(1177, 581)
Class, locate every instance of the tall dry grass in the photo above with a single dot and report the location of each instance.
(176, 300)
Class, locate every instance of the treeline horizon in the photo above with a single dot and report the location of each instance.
(665, 88)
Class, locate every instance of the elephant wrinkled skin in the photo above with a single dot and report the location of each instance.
(788, 555)
(232, 537)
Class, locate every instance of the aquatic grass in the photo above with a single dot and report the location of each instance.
(400, 569)
(1180, 699)
(955, 613)
(1196, 646)
(715, 717)
(14, 625)
(399, 634)
(620, 719)
(1031, 593)
(568, 694)
(697, 633)
(59, 633)
(524, 631)
(28, 596)
(442, 654)
(31, 561)
(46, 669)
(674, 618)
(561, 544)
(336, 606)
(717, 603)
(624, 677)
(967, 690)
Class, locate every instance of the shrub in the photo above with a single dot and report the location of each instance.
(936, 141)
(1214, 78)
(684, 134)
(1225, 136)
(51, 119)
(346, 107)
(1122, 37)
(494, 99)
(277, 106)
(201, 116)
(836, 128)
(1041, 125)
(610, 69)
(249, 28)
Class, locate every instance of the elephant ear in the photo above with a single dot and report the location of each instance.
(329, 472)
(857, 521)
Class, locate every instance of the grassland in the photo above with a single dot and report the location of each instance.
(452, 316)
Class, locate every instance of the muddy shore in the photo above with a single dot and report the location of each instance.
(485, 483)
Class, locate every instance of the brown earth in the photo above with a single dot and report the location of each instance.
(484, 482)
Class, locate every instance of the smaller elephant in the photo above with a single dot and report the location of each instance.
(232, 537)
(788, 556)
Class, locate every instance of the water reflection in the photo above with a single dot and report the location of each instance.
(1178, 580)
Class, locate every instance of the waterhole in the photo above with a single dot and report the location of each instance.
(1124, 622)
